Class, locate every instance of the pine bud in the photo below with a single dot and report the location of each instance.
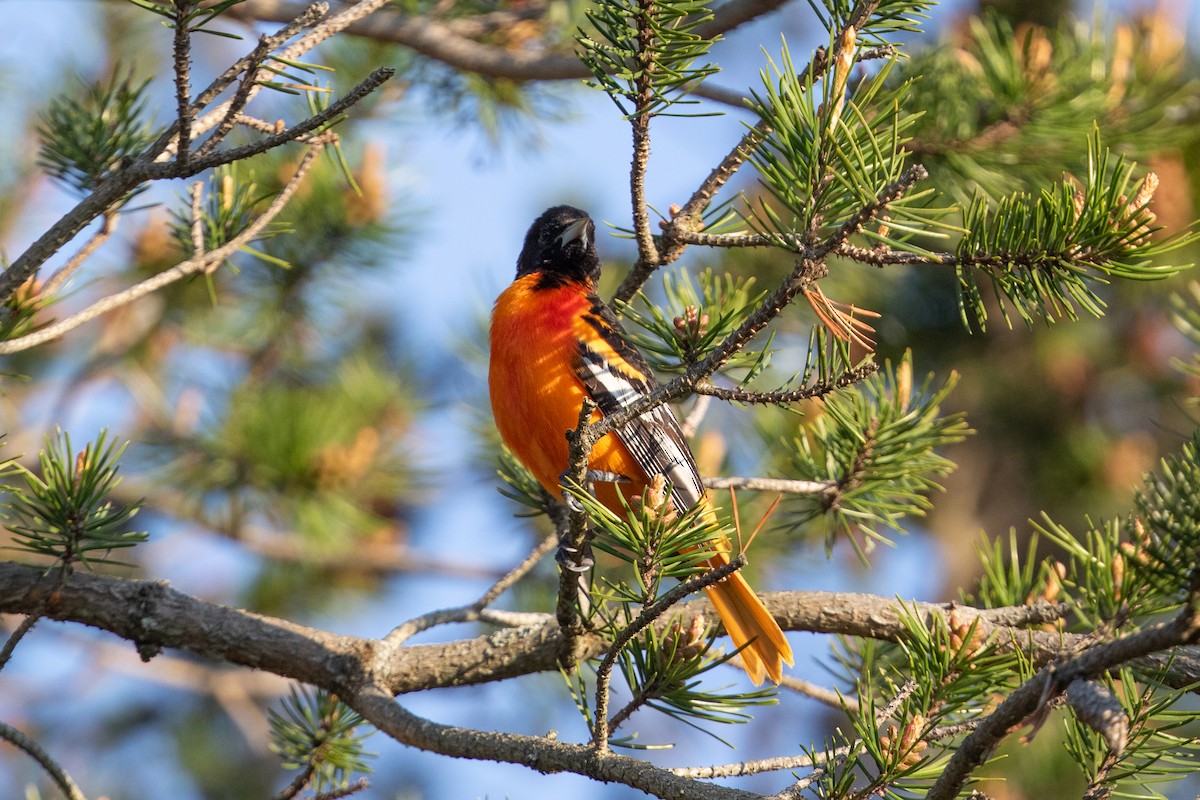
(905, 751)
(962, 636)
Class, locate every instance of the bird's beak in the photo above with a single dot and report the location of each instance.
(576, 230)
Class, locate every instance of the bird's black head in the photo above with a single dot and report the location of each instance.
(561, 247)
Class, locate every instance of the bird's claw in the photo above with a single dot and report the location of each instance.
(570, 558)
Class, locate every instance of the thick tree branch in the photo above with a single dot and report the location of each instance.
(367, 673)
(158, 616)
(449, 42)
(541, 753)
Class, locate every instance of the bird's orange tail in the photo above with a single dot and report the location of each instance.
(746, 619)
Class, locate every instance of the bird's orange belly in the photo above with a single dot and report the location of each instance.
(536, 394)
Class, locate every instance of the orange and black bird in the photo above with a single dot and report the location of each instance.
(555, 342)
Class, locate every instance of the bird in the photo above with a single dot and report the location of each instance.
(554, 343)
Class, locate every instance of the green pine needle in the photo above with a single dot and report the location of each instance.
(879, 442)
(87, 134)
(613, 51)
(698, 316)
(314, 730)
(1049, 254)
(231, 204)
(63, 511)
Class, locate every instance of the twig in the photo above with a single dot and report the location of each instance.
(241, 97)
(306, 16)
(192, 266)
(777, 485)
(297, 784)
(107, 226)
(618, 719)
(647, 616)
(16, 636)
(181, 48)
(785, 396)
(472, 611)
(890, 193)
(334, 110)
(744, 768)
(811, 690)
(198, 243)
(573, 533)
(644, 84)
(35, 751)
(846, 752)
(344, 791)
(692, 421)
(260, 125)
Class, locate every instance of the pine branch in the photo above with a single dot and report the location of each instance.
(647, 616)
(1051, 681)
(201, 263)
(147, 167)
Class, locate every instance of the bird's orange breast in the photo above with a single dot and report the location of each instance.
(535, 390)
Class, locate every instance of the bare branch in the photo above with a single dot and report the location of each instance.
(786, 396)
(472, 612)
(107, 227)
(294, 133)
(542, 753)
(691, 423)
(181, 49)
(449, 42)
(198, 243)
(202, 262)
(35, 751)
(776, 485)
(240, 98)
(829, 697)
(16, 636)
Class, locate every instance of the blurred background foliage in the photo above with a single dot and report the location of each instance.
(284, 404)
